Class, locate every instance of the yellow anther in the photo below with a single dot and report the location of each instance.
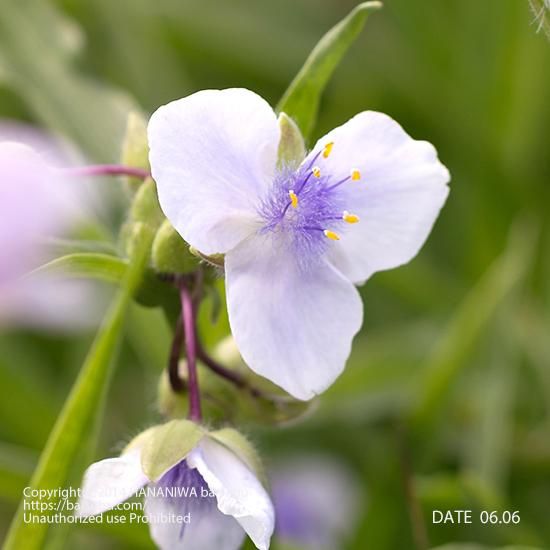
(328, 149)
(316, 171)
(293, 198)
(331, 235)
(355, 175)
(350, 218)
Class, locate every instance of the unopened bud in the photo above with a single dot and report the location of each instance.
(171, 253)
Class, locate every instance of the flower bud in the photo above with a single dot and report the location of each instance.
(145, 206)
(257, 401)
(145, 215)
(292, 149)
(135, 148)
(171, 253)
(171, 404)
(260, 402)
(217, 396)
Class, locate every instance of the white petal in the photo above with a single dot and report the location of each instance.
(208, 529)
(110, 482)
(238, 491)
(398, 198)
(293, 325)
(213, 156)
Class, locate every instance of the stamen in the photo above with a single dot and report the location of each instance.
(350, 218)
(338, 183)
(315, 157)
(355, 175)
(316, 171)
(328, 149)
(304, 183)
(331, 235)
(293, 198)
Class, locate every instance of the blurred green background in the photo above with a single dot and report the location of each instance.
(445, 403)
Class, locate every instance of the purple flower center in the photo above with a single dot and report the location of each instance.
(182, 477)
(186, 491)
(307, 206)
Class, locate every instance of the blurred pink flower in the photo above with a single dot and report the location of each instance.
(36, 202)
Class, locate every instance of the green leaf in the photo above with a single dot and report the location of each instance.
(16, 466)
(476, 311)
(492, 434)
(95, 266)
(301, 100)
(84, 403)
(168, 445)
(62, 247)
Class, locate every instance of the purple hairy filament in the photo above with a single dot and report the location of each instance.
(308, 207)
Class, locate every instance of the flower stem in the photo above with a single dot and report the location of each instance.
(108, 170)
(230, 375)
(173, 363)
(189, 329)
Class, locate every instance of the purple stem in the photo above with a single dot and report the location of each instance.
(175, 352)
(108, 170)
(228, 374)
(189, 329)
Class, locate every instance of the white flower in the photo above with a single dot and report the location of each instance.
(296, 239)
(211, 483)
(37, 201)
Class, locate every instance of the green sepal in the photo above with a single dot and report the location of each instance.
(135, 147)
(302, 98)
(216, 260)
(237, 443)
(171, 253)
(140, 440)
(541, 11)
(292, 148)
(167, 445)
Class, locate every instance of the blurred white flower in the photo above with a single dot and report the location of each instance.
(37, 202)
(317, 502)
